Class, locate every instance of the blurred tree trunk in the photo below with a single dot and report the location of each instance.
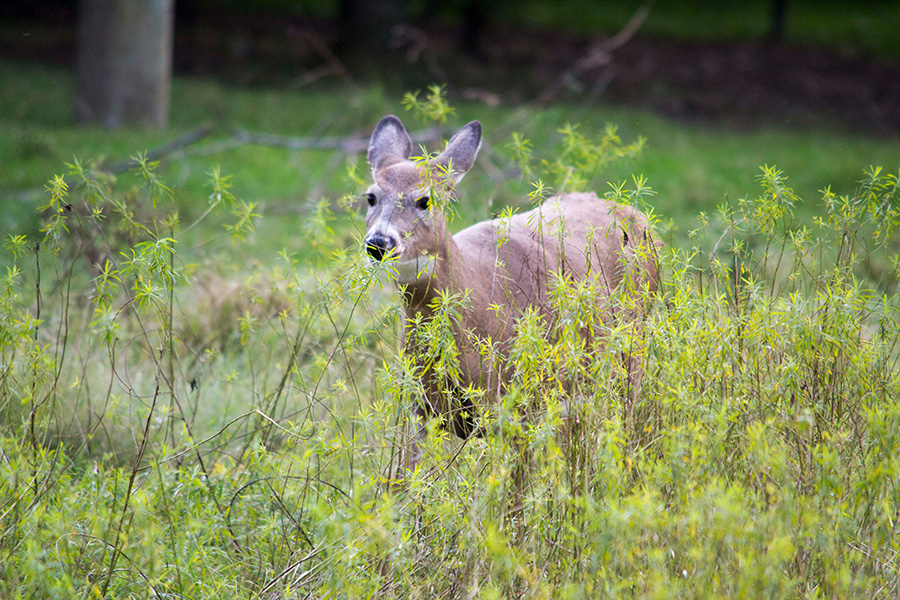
(779, 16)
(124, 61)
(368, 23)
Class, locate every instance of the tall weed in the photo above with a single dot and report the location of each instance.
(169, 428)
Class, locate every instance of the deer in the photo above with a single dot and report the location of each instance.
(502, 269)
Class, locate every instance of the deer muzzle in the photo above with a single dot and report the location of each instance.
(379, 245)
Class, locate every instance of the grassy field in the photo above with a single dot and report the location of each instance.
(209, 406)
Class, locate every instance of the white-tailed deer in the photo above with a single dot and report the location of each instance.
(503, 267)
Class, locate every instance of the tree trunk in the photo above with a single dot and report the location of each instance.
(779, 16)
(124, 62)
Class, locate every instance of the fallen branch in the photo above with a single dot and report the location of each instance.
(157, 153)
(599, 55)
(160, 151)
(349, 145)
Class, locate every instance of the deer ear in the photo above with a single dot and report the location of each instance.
(389, 144)
(461, 150)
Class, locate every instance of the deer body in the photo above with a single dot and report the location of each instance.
(503, 266)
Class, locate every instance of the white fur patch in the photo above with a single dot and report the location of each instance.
(410, 270)
(406, 270)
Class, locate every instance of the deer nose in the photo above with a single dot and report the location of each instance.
(379, 245)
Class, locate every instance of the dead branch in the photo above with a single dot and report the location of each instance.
(599, 55)
(347, 145)
(178, 143)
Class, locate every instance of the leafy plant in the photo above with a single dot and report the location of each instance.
(171, 428)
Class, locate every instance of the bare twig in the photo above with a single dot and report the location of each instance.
(316, 74)
(348, 145)
(599, 55)
(178, 143)
(627, 32)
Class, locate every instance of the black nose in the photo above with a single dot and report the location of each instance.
(378, 245)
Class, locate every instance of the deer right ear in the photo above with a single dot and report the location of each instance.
(461, 150)
(389, 144)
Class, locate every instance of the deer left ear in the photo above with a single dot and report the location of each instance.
(461, 150)
(389, 144)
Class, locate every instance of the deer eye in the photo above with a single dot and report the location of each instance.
(371, 199)
(422, 203)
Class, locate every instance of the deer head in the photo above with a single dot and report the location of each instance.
(403, 221)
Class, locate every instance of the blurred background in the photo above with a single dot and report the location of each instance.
(716, 89)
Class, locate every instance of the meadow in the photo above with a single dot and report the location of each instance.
(202, 393)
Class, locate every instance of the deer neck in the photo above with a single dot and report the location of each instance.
(450, 273)
(457, 273)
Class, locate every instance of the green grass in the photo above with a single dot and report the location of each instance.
(220, 421)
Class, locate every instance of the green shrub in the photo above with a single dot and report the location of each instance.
(169, 428)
